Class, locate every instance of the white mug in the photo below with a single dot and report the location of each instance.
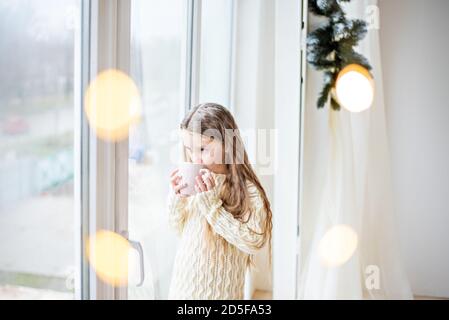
(188, 171)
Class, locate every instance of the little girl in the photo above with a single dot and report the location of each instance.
(227, 220)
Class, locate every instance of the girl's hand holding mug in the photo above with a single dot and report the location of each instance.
(204, 181)
(176, 183)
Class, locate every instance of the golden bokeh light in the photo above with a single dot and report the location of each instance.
(337, 245)
(112, 104)
(355, 88)
(107, 253)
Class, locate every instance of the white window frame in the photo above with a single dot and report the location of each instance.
(289, 115)
(110, 49)
(190, 72)
(303, 38)
(81, 154)
(101, 176)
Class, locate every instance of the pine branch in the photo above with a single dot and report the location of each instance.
(313, 7)
(328, 83)
(334, 104)
(331, 47)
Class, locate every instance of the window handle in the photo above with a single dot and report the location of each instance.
(136, 245)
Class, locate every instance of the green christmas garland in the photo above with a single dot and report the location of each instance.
(331, 47)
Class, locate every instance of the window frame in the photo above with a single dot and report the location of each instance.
(192, 47)
(101, 177)
(289, 119)
(81, 154)
(101, 167)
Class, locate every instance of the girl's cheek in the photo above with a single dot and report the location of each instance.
(216, 157)
(209, 157)
(205, 160)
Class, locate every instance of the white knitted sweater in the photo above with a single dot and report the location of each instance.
(202, 271)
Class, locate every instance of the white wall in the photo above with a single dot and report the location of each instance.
(414, 44)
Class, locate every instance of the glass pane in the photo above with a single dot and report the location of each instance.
(37, 45)
(216, 51)
(157, 32)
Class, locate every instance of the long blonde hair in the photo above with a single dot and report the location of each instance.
(211, 117)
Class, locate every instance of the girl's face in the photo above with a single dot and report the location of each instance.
(201, 149)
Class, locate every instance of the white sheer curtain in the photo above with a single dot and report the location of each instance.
(349, 184)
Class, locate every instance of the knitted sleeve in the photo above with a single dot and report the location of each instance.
(176, 211)
(241, 234)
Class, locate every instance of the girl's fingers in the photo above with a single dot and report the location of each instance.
(212, 182)
(209, 183)
(174, 172)
(207, 178)
(179, 187)
(175, 180)
(200, 183)
(205, 173)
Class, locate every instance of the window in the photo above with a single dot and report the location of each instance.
(158, 28)
(161, 60)
(217, 26)
(46, 57)
(37, 45)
